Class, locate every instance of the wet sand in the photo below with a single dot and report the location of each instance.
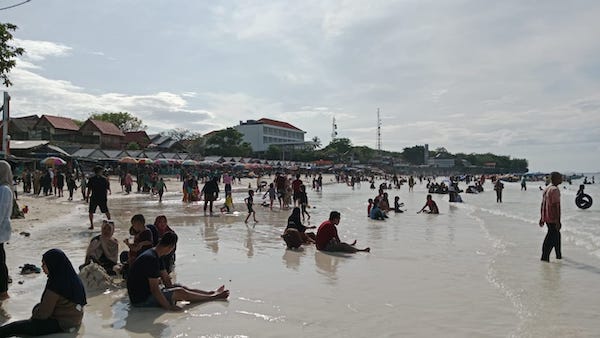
(454, 275)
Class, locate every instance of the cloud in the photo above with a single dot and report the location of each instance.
(40, 50)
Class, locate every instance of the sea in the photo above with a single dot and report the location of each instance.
(474, 270)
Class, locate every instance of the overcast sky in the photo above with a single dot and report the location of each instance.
(518, 78)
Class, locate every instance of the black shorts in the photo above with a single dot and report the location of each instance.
(250, 208)
(98, 203)
(296, 195)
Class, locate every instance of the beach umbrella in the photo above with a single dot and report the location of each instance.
(189, 163)
(128, 159)
(144, 161)
(161, 161)
(52, 161)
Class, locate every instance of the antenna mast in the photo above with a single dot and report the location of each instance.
(333, 130)
(378, 131)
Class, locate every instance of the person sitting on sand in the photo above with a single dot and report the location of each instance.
(162, 226)
(295, 232)
(147, 273)
(376, 212)
(327, 236)
(397, 204)
(142, 241)
(103, 249)
(430, 203)
(369, 207)
(61, 306)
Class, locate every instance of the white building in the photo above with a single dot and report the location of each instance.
(265, 132)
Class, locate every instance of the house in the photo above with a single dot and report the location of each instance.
(442, 160)
(163, 142)
(265, 132)
(19, 127)
(138, 137)
(54, 128)
(110, 136)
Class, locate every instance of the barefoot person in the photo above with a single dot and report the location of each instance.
(147, 272)
(6, 206)
(98, 187)
(327, 237)
(550, 215)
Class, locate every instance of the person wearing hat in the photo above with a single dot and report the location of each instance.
(98, 187)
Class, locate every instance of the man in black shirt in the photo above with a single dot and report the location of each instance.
(98, 186)
(146, 273)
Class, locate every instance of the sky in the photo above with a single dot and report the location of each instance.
(517, 78)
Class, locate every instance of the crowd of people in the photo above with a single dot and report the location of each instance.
(150, 257)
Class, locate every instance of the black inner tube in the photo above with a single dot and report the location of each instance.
(583, 201)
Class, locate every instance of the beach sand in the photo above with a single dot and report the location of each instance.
(472, 271)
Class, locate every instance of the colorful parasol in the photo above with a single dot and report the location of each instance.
(189, 163)
(52, 161)
(128, 159)
(144, 161)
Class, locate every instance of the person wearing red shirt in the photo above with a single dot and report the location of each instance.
(296, 187)
(550, 215)
(327, 237)
(430, 203)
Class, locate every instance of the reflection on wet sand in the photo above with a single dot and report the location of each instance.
(211, 238)
(327, 263)
(292, 257)
(248, 243)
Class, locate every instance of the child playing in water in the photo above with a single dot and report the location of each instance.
(228, 206)
(369, 207)
(304, 202)
(397, 204)
(433, 208)
(272, 194)
(249, 203)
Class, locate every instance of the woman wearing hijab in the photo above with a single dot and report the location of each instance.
(295, 233)
(162, 227)
(61, 306)
(103, 249)
(6, 206)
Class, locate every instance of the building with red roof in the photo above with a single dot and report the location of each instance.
(140, 138)
(265, 132)
(51, 128)
(110, 136)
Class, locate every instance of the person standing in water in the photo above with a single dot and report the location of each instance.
(550, 215)
(98, 187)
(498, 186)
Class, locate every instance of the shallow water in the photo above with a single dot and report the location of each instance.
(473, 271)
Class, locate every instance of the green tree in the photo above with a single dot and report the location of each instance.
(8, 53)
(414, 155)
(182, 134)
(123, 120)
(273, 152)
(227, 142)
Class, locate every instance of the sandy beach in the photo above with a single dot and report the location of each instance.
(473, 270)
